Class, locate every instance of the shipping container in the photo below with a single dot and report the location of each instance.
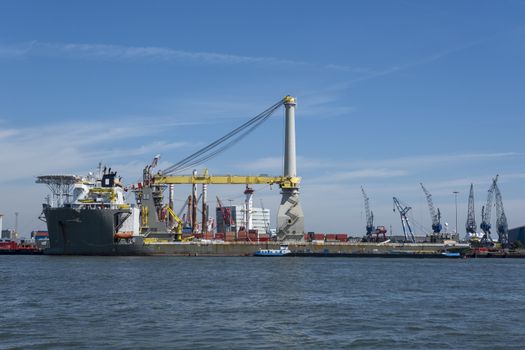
(330, 236)
(318, 237)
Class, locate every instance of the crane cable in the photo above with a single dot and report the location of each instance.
(224, 142)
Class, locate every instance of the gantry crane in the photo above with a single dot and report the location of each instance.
(485, 226)
(501, 220)
(407, 230)
(435, 215)
(470, 225)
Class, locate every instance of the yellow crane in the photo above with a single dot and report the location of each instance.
(206, 178)
(290, 217)
(178, 228)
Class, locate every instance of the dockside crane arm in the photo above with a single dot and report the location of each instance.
(501, 219)
(206, 178)
(223, 143)
(180, 224)
(470, 225)
(486, 211)
(404, 220)
(434, 215)
(368, 213)
(167, 176)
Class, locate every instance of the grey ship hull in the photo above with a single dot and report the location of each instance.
(86, 232)
(91, 232)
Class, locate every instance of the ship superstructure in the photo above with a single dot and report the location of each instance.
(88, 215)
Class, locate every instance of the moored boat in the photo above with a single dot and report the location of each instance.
(282, 251)
(451, 254)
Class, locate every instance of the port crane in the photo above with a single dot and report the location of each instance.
(435, 215)
(502, 226)
(485, 226)
(407, 230)
(370, 229)
(470, 225)
(290, 218)
(369, 216)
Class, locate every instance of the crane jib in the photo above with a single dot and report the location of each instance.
(283, 182)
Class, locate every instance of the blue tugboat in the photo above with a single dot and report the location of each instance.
(451, 254)
(282, 251)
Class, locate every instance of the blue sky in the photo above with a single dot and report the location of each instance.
(390, 94)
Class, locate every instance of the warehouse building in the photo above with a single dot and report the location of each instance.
(517, 235)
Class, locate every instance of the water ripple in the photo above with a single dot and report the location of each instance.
(295, 303)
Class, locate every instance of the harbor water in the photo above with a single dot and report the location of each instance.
(61, 302)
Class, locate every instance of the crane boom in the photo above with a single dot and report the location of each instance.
(470, 225)
(501, 220)
(409, 236)
(206, 178)
(485, 214)
(368, 213)
(434, 215)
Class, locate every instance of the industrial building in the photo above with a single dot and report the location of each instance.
(236, 218)
(9, 234)
(517, 235)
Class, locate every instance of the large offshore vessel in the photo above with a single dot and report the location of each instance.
(89, 215)
(96, 220)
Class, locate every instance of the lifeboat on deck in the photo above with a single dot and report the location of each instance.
(123, 235)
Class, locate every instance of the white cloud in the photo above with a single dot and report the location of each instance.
(15, 50)
(152, 53)
(433, 160)
(32, 151)
(343, 176)
(7, 133)
(275, 163)
(263, 164)
(392, 167)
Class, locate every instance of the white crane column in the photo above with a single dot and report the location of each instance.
(194, 205)
(290, 217)
(204, 228)
(290, 163)
(248, 208)
(171, 195)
